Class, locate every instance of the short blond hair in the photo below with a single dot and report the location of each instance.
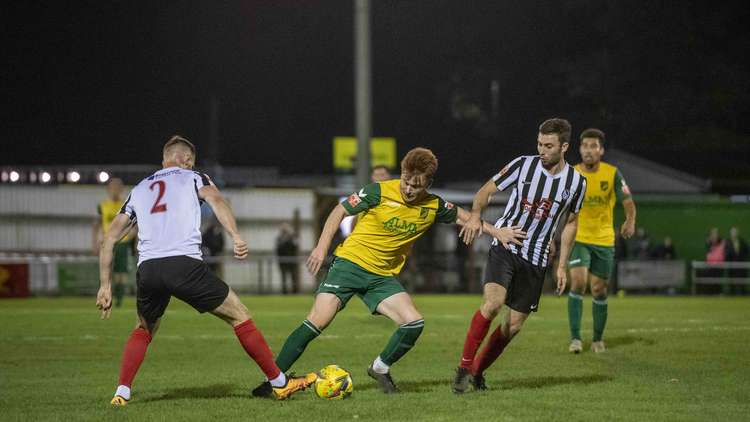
(178, 140)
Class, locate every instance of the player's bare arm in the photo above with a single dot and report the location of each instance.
(567, 239)
(96, 232)
(318, 254)
(119, 228)
(505, 235)
(225, 216)
(628, 226)
(473, 226)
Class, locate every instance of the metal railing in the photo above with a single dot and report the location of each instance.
(79, 274)
(719, 273)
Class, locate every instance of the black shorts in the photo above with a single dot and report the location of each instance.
(187, 279)
(522, 280)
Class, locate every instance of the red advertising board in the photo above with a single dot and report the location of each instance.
(14, 280)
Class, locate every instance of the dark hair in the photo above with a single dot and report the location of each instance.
(420, 160)
(177, 139)
(593, 133)
(379, 167)
(558, 126)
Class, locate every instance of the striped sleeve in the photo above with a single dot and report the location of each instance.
(508, 175)
(127, 208)
(579, 195)
(202, 179)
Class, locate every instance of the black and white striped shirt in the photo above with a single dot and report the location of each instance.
(538, 202)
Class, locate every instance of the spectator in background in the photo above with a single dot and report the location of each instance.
(639, 246)
(286, 252)
(106, 211)
(621, 247)
(664, 251)
(714, 254)
(736, 250)
(715, 248)
(213, 242)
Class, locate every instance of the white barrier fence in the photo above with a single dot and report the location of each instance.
(720, 273)
(79, 275)
(650, 274)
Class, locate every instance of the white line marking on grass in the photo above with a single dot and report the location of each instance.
(686, 329)
(175, 337)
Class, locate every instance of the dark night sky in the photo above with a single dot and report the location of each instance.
(107, 82)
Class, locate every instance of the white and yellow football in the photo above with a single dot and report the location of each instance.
(333, 382)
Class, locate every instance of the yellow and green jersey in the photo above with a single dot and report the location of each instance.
(605, 187)
(108, 210)
(387, 226)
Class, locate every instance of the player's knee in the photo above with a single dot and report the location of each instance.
(151, 327)
(321, 317)
(411, 317)
(514, 327)
(491, 307)
(599, 291)
(317, 320)
(578, 288)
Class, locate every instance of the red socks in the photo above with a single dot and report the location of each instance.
(477, 331)
(255, 346)
(135, 351)
(249, 336)
(491, 351)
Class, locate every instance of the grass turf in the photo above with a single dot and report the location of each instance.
(683, 358)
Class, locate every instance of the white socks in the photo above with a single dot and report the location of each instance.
(380, 367)
(123, 391)
(279, 381)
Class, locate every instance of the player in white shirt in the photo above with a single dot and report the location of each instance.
(166, 207)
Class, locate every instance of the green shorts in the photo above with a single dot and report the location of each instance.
(345, 279)
(600, 260)
(121, 252)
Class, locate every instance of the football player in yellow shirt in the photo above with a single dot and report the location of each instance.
(106, 211)
(592, 258)
(391, 216)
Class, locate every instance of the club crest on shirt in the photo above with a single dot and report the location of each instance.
(565, 194)
(423, 212)
(354, 200)
(604, 184)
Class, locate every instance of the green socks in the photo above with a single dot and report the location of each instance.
(402, 341)
(295, 345)
(575, 310)
(119, 293)
(599, 310)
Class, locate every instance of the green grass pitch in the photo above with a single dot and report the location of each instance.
(684, 358)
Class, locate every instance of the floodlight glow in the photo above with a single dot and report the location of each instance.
(14, 176)
(103, 176)
(74, 176)
(45, 177)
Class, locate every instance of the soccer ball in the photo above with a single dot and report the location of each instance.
(333, 382)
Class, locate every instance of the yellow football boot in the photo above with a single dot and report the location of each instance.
(294, 384)
(118, 401)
